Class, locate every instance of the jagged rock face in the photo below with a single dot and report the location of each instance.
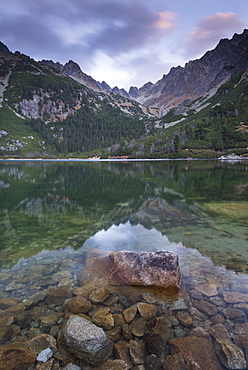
(3, 47)
(198, 77)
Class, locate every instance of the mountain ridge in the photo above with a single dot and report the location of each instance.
(64, 110)
(197, 78)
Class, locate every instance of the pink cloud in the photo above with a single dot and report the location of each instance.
(211, 29)
(164, 20)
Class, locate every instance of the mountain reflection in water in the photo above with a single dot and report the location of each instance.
(50, 205)
(54, 216)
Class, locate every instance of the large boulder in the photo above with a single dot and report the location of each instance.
(160, 268)
(87, 341)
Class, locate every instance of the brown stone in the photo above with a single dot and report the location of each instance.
(6, 320)
(242, 306)
(137, 327)
(230, 355)
(235, 297)
(41, 342)
(47, 366)
(84, 291)
(219, 331)
(153, 363)
(174, 362)
(99, 295)
(130, 313)
(24, 319)
(206, 307)
(78, 304)
(242, 342)
(199, 332)
(196, 350)
(51, 319)
(217, 319)
(121, 351)
(162, 326)
(15, 310)
(155, 344)
(57, 296)
(7, 302)
(241, 328)
(104, 319)
(96, 272)
(7, 333)
(16, 356)
(235, 314)
(126, 332)
(137, 352)
(184, 318)
(147, 311)
(210, 288)
(114, 365)
(119, 319)
(114, 334)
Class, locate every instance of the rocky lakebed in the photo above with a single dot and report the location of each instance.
(79, 312)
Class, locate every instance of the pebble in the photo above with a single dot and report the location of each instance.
(45, 355)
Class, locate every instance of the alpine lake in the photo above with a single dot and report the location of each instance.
(55, 214)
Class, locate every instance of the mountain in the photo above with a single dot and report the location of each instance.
(73, 70)
(181, 85)
(3, 48)
(47, 108)
(198, 77)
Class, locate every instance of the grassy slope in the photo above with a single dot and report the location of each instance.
(18, 131)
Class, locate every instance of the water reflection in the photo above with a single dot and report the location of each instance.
(55, 204)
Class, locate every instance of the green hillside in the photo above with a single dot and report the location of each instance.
(62, 115)
(217, 124)
(44, 113)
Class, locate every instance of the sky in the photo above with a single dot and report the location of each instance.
(122, 42)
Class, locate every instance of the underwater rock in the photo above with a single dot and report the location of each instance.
(160, 268)
(197, 352)
(104, 319)
(147, 311)
(87, 341)
(99, 295)
(78, 304)
(114, 365)
(57, 296)
(230, 355)
(16, 356)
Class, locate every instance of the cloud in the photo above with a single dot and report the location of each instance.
(164, 20)
(210, 30)
(104, 36)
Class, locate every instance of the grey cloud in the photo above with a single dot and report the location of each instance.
(116, 25)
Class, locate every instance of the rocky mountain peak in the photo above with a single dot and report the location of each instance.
(199, 77)
(3, 47)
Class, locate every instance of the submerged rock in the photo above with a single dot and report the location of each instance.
(87, 341)
(230, 355)
(160, 268)
(16, 356)
(197, 352)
